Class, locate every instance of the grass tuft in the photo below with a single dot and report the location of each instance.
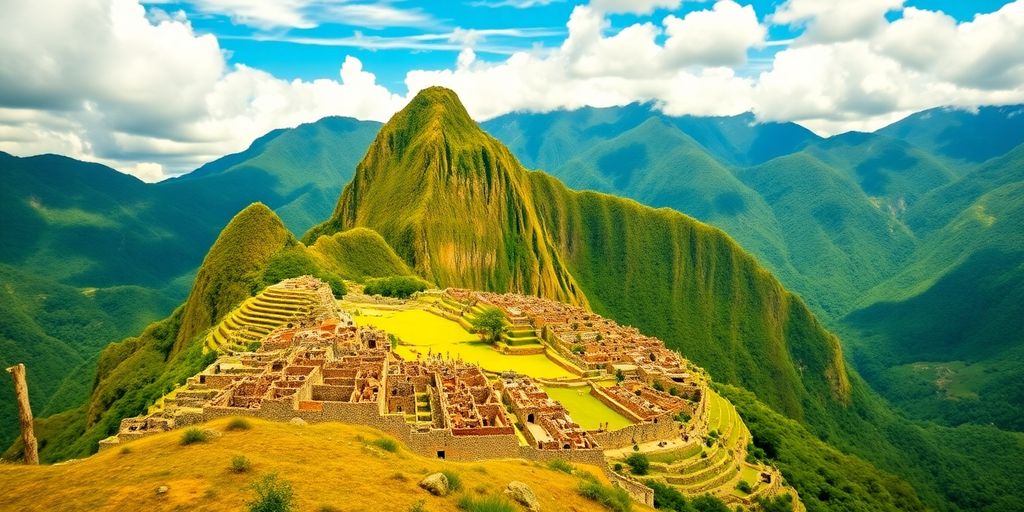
(193, 436)
(240, 464)
(454, 480)
(239, 424)
(485, 504)
(272, 495)
(611, 498)
(560, 465)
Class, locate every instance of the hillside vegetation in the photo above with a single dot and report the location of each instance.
(200, 476)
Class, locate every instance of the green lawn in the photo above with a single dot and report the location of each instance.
(421, 331)
(586, 410)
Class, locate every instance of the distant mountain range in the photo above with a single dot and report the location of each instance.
(905, 241)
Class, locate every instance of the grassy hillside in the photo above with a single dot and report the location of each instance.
(200, 476)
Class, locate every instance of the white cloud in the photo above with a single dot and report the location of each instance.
(835, 20)
(141, 93)
(634, 6)
(149, 96)
(717, 37)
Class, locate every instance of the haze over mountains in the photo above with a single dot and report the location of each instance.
(885, 236)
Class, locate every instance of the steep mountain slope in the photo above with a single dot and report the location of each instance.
(450, 200)
(960, 135)
(455, 203)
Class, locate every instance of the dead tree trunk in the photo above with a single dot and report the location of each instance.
(24, 413)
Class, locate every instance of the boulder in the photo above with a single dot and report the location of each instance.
(436, 484)
(297, 421)
(522, 494)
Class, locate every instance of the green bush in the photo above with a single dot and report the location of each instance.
(611, 498)
(386, 443)
(419, 506)
(194, 435)
(486, 504)
(744, 486)
(560, 465)
(638, 463)
(272, 495)
(240, 464)
(454, 480)
(395, 286)
(239, 424)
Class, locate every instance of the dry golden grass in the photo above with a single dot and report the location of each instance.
(329, 465)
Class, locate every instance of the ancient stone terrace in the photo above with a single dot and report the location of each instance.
(547, 425)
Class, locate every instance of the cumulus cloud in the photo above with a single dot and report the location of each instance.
(922, 60)
(835, 20)
(149, 93)
(150, 96)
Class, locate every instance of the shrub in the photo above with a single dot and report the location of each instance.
(194, 435)
(560, 465)
(395, 286)
(125, 450)
(419, 506)
(239, 424)
(272, 495)
(682, 417)
(618, 467)
(619, 376)
(668, 498)
(708, 503)
(454, 481)
(638, 463)
(240, 464)
(658, 386)
(744, 486)
(386, 443)
(611, 498)
(486, 504)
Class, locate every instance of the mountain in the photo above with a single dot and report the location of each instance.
(549, 140)
(961, 135)
(454, 202)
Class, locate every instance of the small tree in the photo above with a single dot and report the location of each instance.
(638, 463)
(619, 376)
(490, 324)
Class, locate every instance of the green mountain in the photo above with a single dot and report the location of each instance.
(961, 135)
(549, 140)
(454, 202)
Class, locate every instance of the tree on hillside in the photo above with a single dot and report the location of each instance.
(490, 324)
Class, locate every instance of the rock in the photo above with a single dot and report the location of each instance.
(160, 491)
(297, 421)
(522, 493)
(436, 484)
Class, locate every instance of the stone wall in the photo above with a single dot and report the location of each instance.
(637, 433)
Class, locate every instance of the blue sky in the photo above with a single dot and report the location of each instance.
(156, 87)
(261, 47)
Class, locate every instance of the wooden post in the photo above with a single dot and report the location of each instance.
(24, 413)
